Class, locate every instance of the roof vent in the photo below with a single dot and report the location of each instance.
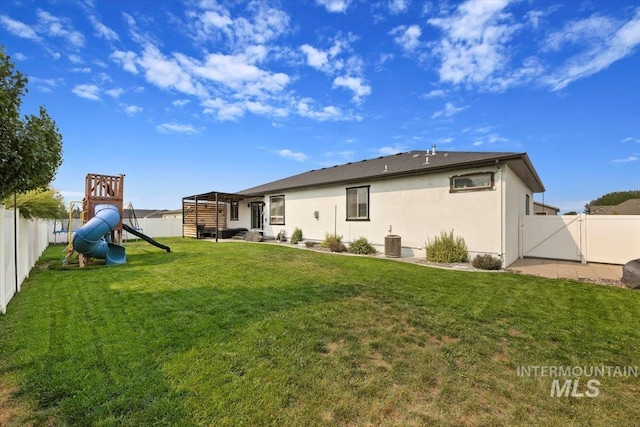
(386, 169)
(426, 159)
(433, 150)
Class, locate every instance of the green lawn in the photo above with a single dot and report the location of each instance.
(257, 334)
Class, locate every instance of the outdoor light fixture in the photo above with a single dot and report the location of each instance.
(316, 214)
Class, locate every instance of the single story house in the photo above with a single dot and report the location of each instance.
(629, 207)
(415, 195)
(544, 209)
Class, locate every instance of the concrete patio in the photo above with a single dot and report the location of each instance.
(556, 269)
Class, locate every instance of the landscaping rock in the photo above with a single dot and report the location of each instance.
(254, 236)
(631, 274)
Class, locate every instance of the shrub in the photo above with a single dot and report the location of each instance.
(296, 236)
(310, 244)
(329, 239)
(446, 248)
(487, 262)
(337, 247)
(362, 246)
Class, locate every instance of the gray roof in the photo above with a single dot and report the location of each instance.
(403, 164)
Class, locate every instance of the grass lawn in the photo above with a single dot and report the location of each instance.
(256, 334)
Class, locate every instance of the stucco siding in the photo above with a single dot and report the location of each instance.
(515, 205)
(416, 208)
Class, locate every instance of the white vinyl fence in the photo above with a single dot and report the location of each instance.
(152, 227)
(609, 239)
(158, 227)
(31, 242)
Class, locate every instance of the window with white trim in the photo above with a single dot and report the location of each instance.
(233, 214)
(358, 203)
(472, 182)
(276, 210)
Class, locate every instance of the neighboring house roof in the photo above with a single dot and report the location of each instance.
(145, 213)
(404, 164)
(630, 207)
(172, 212)
(544, 206)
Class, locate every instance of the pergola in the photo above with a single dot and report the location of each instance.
(203, 213)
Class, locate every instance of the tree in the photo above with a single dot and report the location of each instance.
(39, 204)
(612, 199)
(30, 148)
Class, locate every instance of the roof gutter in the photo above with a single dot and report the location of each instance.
(414, 172)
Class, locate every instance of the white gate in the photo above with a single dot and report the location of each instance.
(611, 239)
(556, 237)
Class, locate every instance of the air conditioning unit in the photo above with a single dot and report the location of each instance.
(392, 246)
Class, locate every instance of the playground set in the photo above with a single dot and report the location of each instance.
(100, 236)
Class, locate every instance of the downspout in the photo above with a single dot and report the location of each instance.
(15, 237)
(503, 209)
(217, 212)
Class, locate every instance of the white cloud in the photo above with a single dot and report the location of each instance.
(167, 73)
(115, 92)
(473, 50)
(176, 128)
(87, 92)
(20, 56)
(315, 58)
(80, 70)
(288, 154)
(328, 61)
(388, 151)
(449, 110)
(60, 27)
(214, 19)
(337, 6)
(18, 28)
(398, 6)
(407, 37)
(180, 102)
(223, 110)
(126, 59)
(354, 84)
(102, 30)
(602, 41)
(490, 139)
(76, 59)
(327, 113)
(132, 110)
(436, 93)
(625, 160)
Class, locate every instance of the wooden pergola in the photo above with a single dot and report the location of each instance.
(206, 213)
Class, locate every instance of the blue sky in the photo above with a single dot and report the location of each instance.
(189, 97)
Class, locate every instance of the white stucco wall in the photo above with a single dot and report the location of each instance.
(416, 208)
(515, 205)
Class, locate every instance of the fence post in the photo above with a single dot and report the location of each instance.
(521, 236)
(583, 238)
(3, 266)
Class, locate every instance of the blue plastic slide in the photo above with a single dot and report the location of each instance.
(91, 238)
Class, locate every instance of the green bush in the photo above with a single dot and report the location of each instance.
(329, 239)
(446, 248)
(337, 247)
(310, 243)
(487, 262)
(296, 236)
(362, 246)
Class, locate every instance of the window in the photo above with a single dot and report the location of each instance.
(472, 182)
(358, 204)
(233, 215)
(277, 210)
